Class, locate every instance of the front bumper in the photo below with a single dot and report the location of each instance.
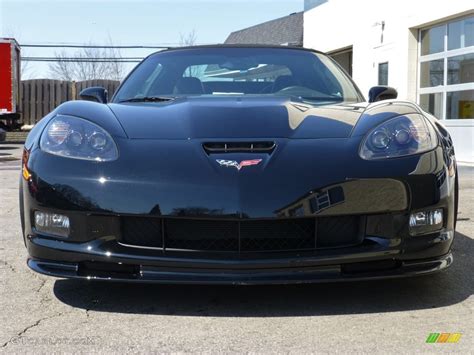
(108, 260)
(98, 208)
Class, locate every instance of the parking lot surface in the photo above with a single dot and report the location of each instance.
(43, 315)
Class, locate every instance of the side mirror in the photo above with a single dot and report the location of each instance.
(379, 93)
(95, 93)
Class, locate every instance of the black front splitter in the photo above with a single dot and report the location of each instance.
(176, 275)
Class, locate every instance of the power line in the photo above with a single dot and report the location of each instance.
(79, 58)
(90, 46)
(82, 60)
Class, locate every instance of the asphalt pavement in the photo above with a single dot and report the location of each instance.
(44, 315)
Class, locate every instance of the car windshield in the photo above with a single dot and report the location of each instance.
(218, 71)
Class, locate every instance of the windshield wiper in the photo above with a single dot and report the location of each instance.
(149, 99)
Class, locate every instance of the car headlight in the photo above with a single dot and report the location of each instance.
(76, 138)
(400, 136)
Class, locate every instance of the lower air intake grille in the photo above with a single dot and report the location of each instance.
(142, 231)
(337, 231)
(279, 235)
(243, 236)
(202, 235)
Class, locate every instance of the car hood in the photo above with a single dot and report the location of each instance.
(236, 117)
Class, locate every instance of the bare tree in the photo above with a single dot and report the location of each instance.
(88, 63)
(62, 69)
(186, 40)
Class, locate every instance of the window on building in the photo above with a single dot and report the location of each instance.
(446, 69)
(432, 40)
(461, 33)
(383, 73)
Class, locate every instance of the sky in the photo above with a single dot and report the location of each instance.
(139, 22)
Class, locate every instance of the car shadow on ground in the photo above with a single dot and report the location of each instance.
(444, 289)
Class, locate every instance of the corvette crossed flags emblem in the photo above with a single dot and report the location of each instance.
(235, 164)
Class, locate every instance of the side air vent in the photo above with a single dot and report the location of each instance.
(232, 147)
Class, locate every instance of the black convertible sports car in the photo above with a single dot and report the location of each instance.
(238, 164)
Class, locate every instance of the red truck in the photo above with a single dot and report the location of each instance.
(9, 83)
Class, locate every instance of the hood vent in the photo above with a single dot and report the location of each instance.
(234, 147)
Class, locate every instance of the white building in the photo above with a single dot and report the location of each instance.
(423, 48)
